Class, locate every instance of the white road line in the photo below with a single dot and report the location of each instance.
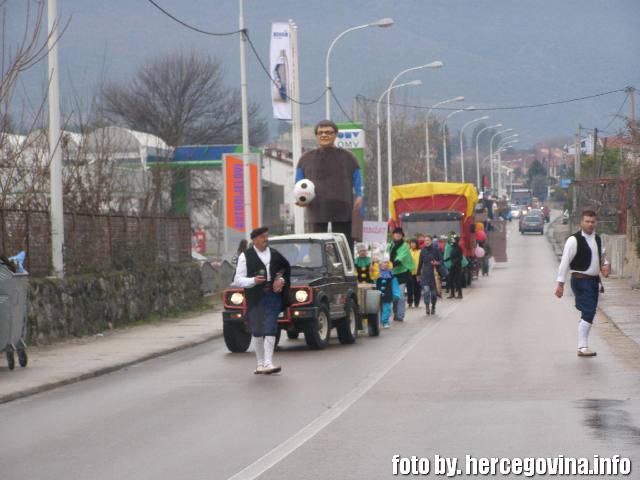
(284, 449)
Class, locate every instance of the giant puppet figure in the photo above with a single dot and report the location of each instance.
(338, 183)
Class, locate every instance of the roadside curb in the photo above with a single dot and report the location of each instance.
(557, 249)
(105, 370)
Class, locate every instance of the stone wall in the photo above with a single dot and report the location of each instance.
(89, 304)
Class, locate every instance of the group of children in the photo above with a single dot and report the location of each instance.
(379, 269)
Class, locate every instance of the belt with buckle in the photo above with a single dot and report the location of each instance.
(584, 276)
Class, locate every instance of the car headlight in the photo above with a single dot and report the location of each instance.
(237, 298)
(302, 296)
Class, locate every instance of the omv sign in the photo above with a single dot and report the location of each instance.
(353, 138)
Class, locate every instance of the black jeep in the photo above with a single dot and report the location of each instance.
(323, 294)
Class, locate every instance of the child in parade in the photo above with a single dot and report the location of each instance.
(389, 287)
(413, 288)
(363, 265)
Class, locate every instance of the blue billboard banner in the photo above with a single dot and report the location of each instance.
(565, 182)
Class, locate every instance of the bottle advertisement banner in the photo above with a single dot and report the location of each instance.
(281, 70)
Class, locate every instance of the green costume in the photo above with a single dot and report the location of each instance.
(403, 259)
(363, 265)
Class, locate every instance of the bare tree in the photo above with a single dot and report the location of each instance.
(182, 98)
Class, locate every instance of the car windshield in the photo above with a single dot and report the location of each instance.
(301, 254)
(532, 218)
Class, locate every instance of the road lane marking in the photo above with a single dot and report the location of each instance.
(287, 447)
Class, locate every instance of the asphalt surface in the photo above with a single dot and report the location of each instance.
(493, 375)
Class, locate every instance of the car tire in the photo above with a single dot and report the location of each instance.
(318, 330)
(292, 334)
(348, 327)
(236, 337)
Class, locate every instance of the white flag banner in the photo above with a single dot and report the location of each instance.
(281, 70)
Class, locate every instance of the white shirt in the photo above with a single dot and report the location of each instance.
(241, 280)
(570, 251)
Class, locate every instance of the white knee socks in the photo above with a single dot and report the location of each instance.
(583, 334)
(258, 343)
(269, 346)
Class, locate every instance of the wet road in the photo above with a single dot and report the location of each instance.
(493, 375)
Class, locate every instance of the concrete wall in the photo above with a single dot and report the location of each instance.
(89, 304)
(616, 251)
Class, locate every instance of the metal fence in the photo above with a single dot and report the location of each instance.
(96, 243)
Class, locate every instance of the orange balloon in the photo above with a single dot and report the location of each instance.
(479, 226)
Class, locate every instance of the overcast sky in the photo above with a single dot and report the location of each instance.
(496, 52)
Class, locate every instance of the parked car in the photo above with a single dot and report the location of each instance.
(323, 295)
(532, 223)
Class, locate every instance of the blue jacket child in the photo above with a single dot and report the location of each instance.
(389, 287)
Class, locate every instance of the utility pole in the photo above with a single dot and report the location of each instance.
(296, 129)
(55, 164)
(631, 92)
(595, 151)
(576, 175)
(245, 125)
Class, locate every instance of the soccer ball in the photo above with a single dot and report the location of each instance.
(304, 192)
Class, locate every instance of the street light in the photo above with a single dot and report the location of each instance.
(386, 92)
(502, 147)
(444, 136)
(461, 142)
(383, 23)
(497, 125)
(427, 150)
(436, 64)
(491, 150)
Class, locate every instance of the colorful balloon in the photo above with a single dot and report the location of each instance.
(479, 226)
(479, 251)
(481, 236)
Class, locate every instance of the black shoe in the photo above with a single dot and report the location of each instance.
(433, 310)
(459, 296)
(428, 311)
(451, 296)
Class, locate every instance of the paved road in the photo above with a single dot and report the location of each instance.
(492, 375)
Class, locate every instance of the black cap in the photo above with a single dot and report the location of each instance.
(398, 230)
(258, 231)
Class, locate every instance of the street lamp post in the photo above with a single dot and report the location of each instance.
(383, 22)
(462, 142)
(497, 125)
(491, 151)
(503, 145)
(378, 143)
(436, 64)
(444, 137)
(427, 146)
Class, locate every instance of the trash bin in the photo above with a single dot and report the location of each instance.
(13, 315)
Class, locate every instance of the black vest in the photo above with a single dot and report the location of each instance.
(363, 273)
(385, 285)
(277, 266)
(582, 260)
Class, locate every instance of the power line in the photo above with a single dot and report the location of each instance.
(246, 35)
(511, 107)
(266, 71)
(191, 27)
(340, 105)
(616, 116)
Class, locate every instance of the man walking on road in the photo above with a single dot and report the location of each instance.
(265, 276)
(583, 255)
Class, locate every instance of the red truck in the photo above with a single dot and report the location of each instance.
(437, 208)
